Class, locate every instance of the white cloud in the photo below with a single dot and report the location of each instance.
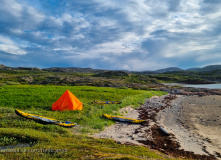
(78, 21)
(9, 46)
(139, 65)
(186, 49)
(16, 31)
(208, 57)
(148, 33)
(12, 49)
(151, 16)
(68, 48)
(11, 7)
(35, 15)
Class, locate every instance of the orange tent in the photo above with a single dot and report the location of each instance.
(67, 101)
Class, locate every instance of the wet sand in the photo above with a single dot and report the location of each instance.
(196, 123)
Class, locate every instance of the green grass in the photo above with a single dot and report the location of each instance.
(76, 142)
(39, 100)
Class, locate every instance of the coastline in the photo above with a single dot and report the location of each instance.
(192, 134)
(205, 86)
(196, 123)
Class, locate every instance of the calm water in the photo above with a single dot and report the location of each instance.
(209, 86)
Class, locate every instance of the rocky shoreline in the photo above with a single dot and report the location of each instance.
(170, 112)
(184, 140)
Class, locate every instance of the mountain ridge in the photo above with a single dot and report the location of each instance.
(79, 69)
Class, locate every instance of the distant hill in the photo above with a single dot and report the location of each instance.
(206, 68)
(170, 69)
(210, 68)
(98, 71)
(3, 67)
(193, 69)
(73, 69)
(99, 77)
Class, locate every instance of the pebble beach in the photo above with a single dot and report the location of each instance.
(193, 122)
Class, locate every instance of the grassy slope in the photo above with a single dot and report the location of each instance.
(38, 100)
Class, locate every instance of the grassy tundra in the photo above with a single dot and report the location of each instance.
(52, 141)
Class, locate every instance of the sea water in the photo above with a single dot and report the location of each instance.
(208, 86)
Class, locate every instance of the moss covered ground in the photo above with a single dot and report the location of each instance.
(55, 142)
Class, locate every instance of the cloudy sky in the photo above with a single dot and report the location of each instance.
(131, 35)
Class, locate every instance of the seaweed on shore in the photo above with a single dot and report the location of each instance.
(161, 141)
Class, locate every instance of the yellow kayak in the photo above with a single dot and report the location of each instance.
(44, 120)
(107, 102)
(123, 119)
